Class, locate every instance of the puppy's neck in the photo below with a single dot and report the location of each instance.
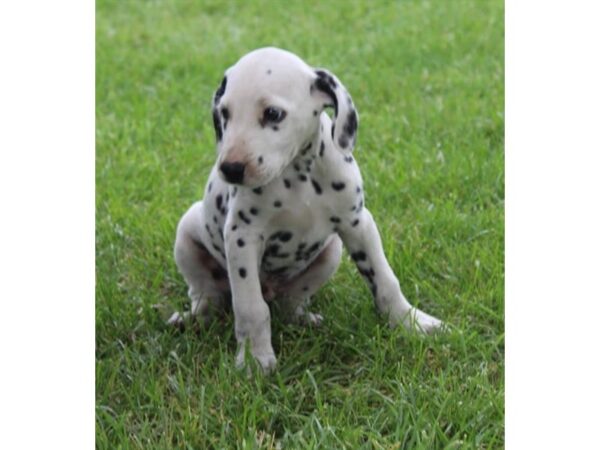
(308, 154)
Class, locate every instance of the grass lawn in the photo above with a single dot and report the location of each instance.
(428, 80)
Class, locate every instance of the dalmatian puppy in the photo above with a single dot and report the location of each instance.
(283, 198)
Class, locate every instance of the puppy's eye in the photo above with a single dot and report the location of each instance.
(273, 115)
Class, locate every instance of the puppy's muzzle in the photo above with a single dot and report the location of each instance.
(233, 172)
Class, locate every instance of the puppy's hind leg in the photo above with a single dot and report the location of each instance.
(300, 289)
(206, 278)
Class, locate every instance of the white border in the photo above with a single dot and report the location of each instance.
(47, 225)
(552, 223)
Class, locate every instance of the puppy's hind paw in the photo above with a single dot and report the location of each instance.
(313, 319)
(176, 320)
(305, 318)
(421, 322)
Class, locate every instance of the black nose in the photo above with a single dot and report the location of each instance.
(233, 172)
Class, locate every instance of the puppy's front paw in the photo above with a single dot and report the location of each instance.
(421, 322)
(266, 360)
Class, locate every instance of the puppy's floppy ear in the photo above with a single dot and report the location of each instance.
(343, 131)
(215, 110)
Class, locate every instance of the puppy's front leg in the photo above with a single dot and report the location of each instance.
(363, 242)
(252, 317)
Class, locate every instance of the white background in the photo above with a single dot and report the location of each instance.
(47, 224)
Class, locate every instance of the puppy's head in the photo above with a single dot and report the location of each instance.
(267, 109)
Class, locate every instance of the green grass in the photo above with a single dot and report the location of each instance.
(428, 80)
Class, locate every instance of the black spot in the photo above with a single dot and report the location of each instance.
(225, 114)
(216, 247)
(358, 189)
(279, 270)
(297, 167)
(260, 160)
(335, 219)
(351, 123)
(244, 217)
(322, 149)
(242, 272)
(348, 159)
(302, 177)
(254, 211)
(215, 113)
(209, 186)
(315, 112)
(220, 91)
(240, 243)
(317, 186)
(268, 71)
(360, 206)
(325, 83)
(349, 129)
(215, 220)
(275, 128)
(338, 185)
(219, 201)
(367, 274)
(271, 250)
(199, 244)
(257, 191)
(305, 288)
(374, 289)
(287, 183)
(327, 77)
(355, 222)
(277, 204)
(359, 256)
(313, 247)
(217, 124)
(306, 149)
(234, 227)
(285, 236)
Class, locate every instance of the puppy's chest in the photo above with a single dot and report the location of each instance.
(295, 235)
